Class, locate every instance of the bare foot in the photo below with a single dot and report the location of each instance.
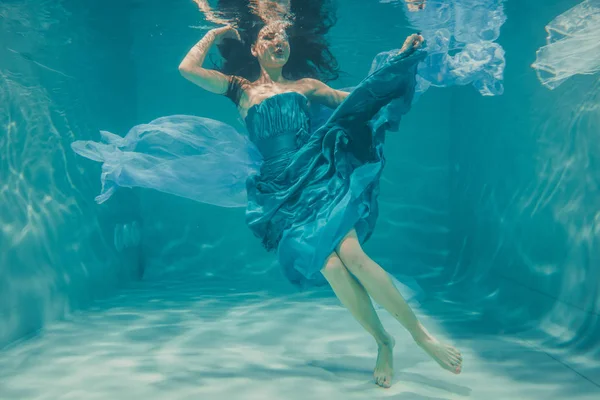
(447, 356)
(384, 368)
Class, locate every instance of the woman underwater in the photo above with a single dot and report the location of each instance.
(314, 199)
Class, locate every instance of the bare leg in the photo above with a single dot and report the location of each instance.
(379, 285)
(354, 297)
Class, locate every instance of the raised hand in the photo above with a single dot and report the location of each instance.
(415, 5)
(413, 41)
(226, 32)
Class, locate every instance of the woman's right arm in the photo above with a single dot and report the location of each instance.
(191, 67)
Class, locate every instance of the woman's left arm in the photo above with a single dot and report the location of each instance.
(319, 92)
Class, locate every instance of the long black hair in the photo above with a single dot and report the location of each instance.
(310, 56)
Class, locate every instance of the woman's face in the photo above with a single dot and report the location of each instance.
(272, 48)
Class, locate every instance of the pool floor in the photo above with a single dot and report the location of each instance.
(186, 338)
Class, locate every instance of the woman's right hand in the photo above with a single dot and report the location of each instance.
(225, 32)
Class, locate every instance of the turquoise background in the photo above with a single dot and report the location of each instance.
(491, 203)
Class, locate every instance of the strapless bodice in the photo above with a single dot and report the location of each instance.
(279, 124)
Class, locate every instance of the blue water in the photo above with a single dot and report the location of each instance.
(489, 202)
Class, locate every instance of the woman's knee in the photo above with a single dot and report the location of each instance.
(333, 266)
(351, 253)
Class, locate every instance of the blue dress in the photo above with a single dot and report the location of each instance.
(307, 176)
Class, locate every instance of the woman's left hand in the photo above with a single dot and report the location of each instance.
(413, 41)
(415, 5)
